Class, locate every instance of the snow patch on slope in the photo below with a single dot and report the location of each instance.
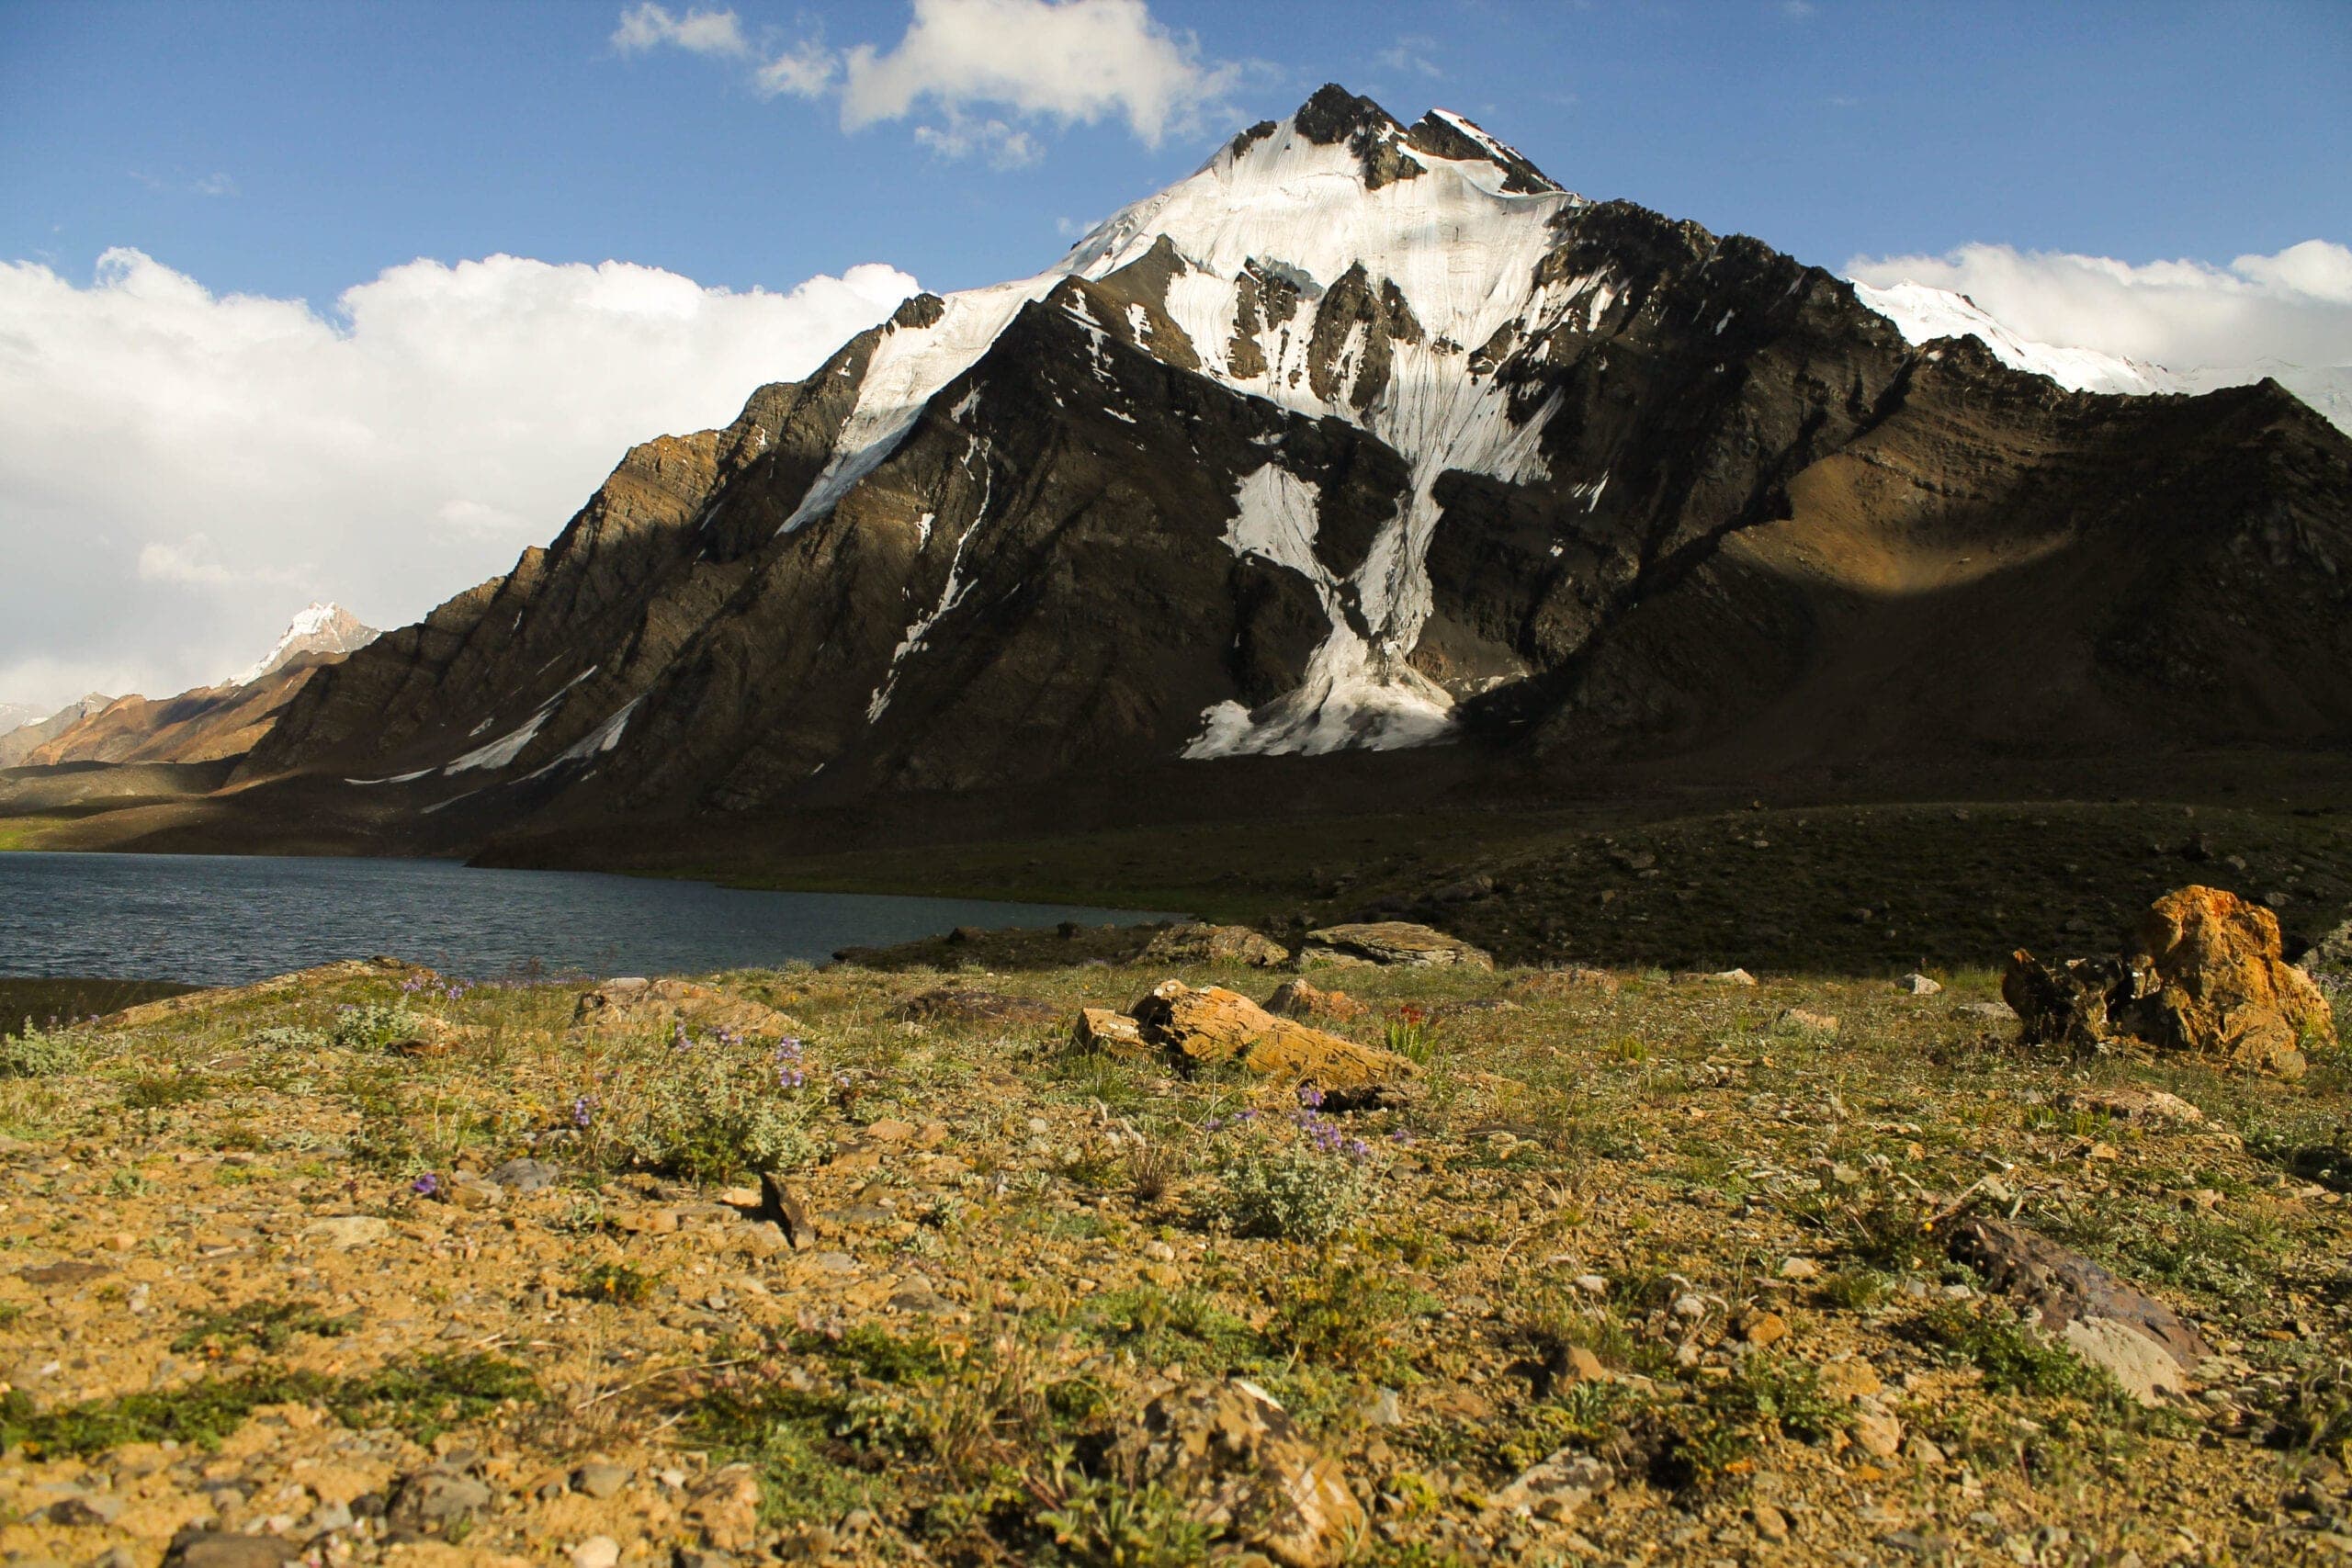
(1347, 698)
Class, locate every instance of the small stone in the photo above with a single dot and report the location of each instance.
(1582, 1366)
(837, 1263)
(781, 1205)
(1917, 984)
(1687, 1305)
(1876, 1429)
(1771, 1523)
(526, 1175)
(1804, 1022)
(889, 1130)
(1798, 1269)
(472, 1192)
(1765, 1328)
(596, 1551)
(1592, 1284)
(345, 1232)
(1731, 977)
(600, 1481)
(100, 1508)
(209, 1549)
(1849, 1378)
(1925, 1451)
(1382, 1409)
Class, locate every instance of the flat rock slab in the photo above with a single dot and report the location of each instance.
(2143, 1343)
(1303, 998)
(951, 1005)
(1392, 942)
(193, 1002)
(654, 1007)
(1214, 944)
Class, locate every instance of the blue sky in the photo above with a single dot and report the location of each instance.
(299, 149)
(356, 302)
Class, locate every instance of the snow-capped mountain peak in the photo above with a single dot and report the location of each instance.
(318, 628)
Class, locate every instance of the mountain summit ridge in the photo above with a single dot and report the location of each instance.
(1361, 436)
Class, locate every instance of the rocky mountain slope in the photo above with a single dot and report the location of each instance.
(205, 724)
(35, 731)
(1371, 437)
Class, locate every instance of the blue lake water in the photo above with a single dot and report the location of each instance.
(221, 920)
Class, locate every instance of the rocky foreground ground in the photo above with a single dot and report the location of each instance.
(855, 1265)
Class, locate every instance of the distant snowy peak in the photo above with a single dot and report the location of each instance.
(319, 628)
(1922, 313)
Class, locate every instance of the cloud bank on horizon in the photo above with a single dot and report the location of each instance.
(2294, 306)
(180, 471)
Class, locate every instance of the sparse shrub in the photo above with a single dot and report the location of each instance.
(1412, 1033)
(264, 1325)
(1856, 1289)
(1343, 1314)
(1299, 1180)
(2014, 1356)
(41, 1053)
(161, 1091)
(364, 1026)
(290, 1037)
(1101, 1523)
(617, 1283)
(1153, 1169)
(711, 1118)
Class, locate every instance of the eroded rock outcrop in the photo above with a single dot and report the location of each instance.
(2208, 977)
(2146, 1345)
(1215, 944)
(1194, 1029)
(1303, 998)
(1392, 942)
(631, 1006)
(1243, 1468)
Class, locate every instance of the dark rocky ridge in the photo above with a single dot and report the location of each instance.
(1811, 540)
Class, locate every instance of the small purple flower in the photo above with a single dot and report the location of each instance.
(584, 1111)
(1310, 1098)
(1357, 1149)
(1401, 1135)
(788, 1073)
(427, 1186)
(1212, 1124)
(679, 1040)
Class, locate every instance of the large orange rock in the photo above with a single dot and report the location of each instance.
(1213, 1025)
(2208, 978)
(2216, 983)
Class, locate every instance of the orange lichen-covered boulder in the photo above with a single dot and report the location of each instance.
(1201, 1027)
(2216, 983)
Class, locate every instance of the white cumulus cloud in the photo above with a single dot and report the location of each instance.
(697, 32)
(180, 471)
(1078, 62)
(970, 70)
(2295, 306)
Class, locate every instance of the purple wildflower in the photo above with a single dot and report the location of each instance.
(584, 1111)
(427, 1186)
(1310, 1098)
